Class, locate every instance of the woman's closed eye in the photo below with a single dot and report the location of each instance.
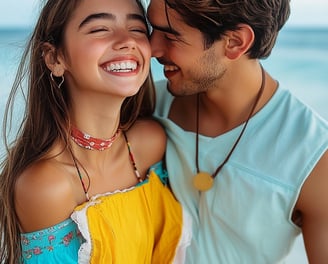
(141, 30)
(98, 29)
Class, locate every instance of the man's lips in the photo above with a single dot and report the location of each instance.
(167, 66)
(170, 71)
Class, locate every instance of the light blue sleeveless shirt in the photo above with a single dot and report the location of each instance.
(246, 216)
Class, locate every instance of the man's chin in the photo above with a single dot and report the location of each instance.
(172, 91)
(169, 88)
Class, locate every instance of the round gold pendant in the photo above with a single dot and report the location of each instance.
(203, 181)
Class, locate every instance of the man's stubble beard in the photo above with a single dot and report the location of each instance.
(202, 80)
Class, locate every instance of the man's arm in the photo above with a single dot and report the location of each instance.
(313, 206)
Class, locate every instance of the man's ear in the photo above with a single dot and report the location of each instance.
(51, 59)
(239, 41)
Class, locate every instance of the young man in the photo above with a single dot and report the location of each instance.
(247, 159)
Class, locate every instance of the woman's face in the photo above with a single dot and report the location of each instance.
(106, 48)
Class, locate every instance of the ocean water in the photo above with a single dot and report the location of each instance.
(299, 61)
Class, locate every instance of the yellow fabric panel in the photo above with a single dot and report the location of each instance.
(142, 225)
(168, 223)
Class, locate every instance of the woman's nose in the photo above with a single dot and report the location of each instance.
(124, 41)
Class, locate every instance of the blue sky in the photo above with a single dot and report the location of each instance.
(23, 12)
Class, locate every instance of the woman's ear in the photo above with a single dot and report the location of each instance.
(52, 61)
(239, 41)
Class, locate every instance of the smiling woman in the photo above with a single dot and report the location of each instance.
(87, 158)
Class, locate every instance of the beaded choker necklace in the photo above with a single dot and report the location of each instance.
(86, 188)
(203, 181)
(86, 141)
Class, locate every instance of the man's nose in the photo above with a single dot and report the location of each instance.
(157, 44)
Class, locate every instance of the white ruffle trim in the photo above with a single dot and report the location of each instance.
(84, 254)
(185, 239)
(81, 219)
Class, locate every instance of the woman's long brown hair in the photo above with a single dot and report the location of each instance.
(46, 117)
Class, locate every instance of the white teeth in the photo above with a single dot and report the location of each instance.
(122, 66)
(131, 65)
(170, 68)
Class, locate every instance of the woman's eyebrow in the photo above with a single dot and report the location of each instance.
(136, 16)
(92, 17)
(110, 16)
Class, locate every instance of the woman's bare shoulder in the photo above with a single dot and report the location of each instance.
(43, 195)
(148, 139)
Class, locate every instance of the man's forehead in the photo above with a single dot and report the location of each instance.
(158, 17)
(156, 9)
(160, 10)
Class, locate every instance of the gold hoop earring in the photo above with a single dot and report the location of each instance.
(61, 81)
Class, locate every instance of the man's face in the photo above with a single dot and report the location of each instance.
(188, 67)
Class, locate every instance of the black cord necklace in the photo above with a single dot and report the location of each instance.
(203, 181)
